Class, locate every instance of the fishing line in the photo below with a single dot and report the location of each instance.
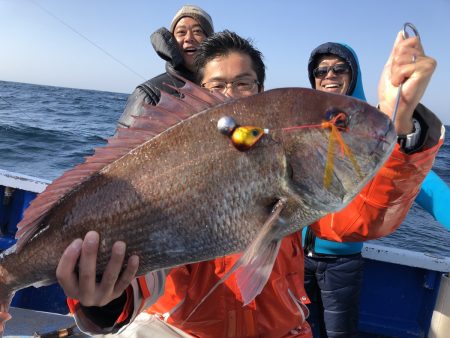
(321, 126)
(87, 39)
(10, 104)
(5, 101)
(335, 137)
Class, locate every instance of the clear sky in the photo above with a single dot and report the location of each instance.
(42, 43)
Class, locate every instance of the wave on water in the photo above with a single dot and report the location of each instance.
(46, 130)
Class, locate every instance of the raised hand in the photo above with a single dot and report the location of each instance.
(409, 65)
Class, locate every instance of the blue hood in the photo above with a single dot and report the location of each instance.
(348, 54)
(323, 246)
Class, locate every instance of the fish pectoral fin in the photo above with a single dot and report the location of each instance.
(255, 265)
(252, 277)
(258, 258)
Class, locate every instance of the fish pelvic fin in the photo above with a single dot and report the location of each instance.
(258, 259)
(153, 120)
(253, 268)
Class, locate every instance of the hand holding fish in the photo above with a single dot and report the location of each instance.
(83, 285)
(409, 65)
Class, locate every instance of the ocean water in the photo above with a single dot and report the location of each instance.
(46, 130)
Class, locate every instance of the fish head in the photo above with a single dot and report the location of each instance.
(332, 144)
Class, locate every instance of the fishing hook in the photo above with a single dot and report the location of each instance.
(405, 36)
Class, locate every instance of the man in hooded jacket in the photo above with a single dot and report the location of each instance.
(333, 270)
(190, 26)
(336, 299)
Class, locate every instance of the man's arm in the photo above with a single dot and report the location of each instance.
(409, 65)
(434, 197)
(382, 205)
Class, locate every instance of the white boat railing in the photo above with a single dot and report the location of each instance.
(406, 257)
(23, 182)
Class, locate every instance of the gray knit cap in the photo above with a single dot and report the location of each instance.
(195, 13)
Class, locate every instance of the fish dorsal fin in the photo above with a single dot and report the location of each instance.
(153, 120)
(171, 110)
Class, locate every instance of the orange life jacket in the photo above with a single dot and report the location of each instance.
(279, 310)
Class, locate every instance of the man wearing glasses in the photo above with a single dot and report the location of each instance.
(228, 64)
(231, 67)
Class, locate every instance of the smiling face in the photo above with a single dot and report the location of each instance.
(189, 34)
(332, 82)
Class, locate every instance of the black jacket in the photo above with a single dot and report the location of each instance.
(148, 92)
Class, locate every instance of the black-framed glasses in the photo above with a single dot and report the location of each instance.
(338, 69)
(240, 85)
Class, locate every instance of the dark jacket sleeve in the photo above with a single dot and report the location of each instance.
(431, 127)
(166, 47)
(114, 317)
(148, 92)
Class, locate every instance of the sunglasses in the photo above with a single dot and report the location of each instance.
(338, 69)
